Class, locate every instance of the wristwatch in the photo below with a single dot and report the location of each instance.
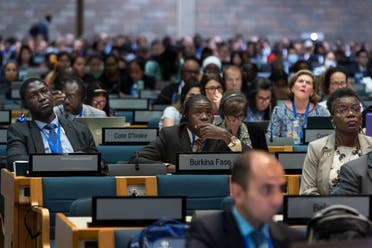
(233, 141)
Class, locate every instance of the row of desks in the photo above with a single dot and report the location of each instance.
(16, 192)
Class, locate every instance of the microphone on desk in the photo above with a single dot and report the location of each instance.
(271, 132)
(136, 165)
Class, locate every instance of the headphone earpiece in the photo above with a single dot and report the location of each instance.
(227, 98)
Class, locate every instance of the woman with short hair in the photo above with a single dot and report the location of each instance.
(326, 155)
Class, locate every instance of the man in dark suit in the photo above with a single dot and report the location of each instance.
(356, 177)
(196, 133)
(45, 133)
(190, 72)
(257, 190)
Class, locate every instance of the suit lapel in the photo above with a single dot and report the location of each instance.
(70, 133)
(231, 231)
(184, 142)
(36, 137)
(326, 159)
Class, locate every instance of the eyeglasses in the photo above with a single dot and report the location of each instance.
(190, 72)
(99, 103)
(343, 110)
(240, 117)
(213, 89)
(71, 97)
(339, 84)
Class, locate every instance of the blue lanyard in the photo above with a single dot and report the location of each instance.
(305, 117)
(81, 113)
(193, 142)
(57, 149)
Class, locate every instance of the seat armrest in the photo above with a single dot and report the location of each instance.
(42, 225)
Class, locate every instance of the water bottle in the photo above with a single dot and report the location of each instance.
(134, 89)
(140, 85)
(296, 131)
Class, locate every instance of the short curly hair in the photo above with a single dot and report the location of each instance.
(339, 93)
(314, 98)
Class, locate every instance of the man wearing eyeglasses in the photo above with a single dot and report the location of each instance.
(72, 107)
(190, 72)
(196, 133)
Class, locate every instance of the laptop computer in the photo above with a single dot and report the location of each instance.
(14, 89)
(137, 211)
(36, 72)
(72, 164)
(144, 116)
(3, 135)
(136, 169)
(5, 117)
(95, 125)
(319, 122)
(259, 124)
(129, 104)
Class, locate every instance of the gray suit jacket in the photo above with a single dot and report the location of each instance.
(318, 163)
(220, 230)
(25, 138)
(356, 177)
(88, 111)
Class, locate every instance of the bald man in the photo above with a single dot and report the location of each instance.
(233, 78)
(257, 190)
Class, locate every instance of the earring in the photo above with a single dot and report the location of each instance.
(333, 124)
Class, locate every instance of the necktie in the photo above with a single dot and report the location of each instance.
(52, 133)
(258, 238)
(198, 146)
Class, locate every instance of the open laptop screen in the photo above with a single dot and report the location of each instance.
(321, 122)
(136, 211)
(3, 135)
(5, 117)
(96, 125)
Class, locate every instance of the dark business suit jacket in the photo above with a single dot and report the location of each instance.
(356, 176)
(172, 140)
(25, 138)
(220, 230)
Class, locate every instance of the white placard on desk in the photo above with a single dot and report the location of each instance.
(129, 135)
(205, 161)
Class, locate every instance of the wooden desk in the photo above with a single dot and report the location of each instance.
(293, 184)
(273, 149)
(16, 191)
(73, 232)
